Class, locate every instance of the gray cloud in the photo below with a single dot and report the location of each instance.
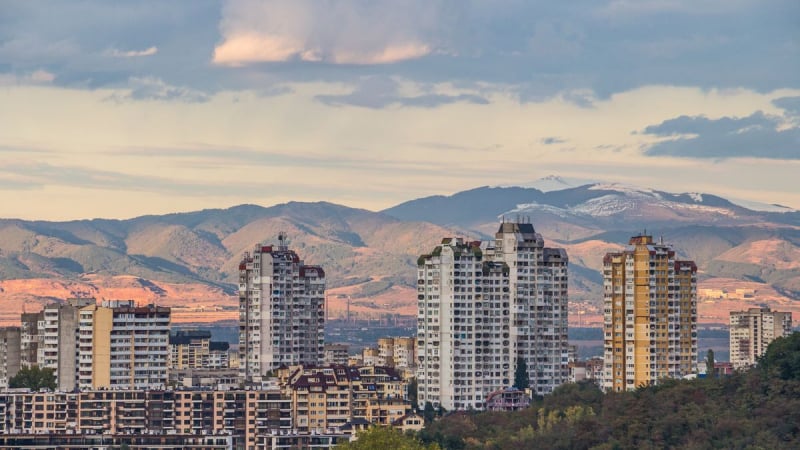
(581, 49)
(150, 88)
(757, 136)
(38, 175)
(791, 105)
(552, 140)
(381, 92)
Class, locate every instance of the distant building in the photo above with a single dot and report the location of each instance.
(9, 354)
(482, 307)
(123, 346)
(336, 354)
(30, 338)
(89, 346)
(410, 422)
(281, 311)
(397, 352)
(194, 349)
(330, 397)
(751, 332)
(590, 369)
(219, 355)
(510, 399)
(58, 348)
(650, 317)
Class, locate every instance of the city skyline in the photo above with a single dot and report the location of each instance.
(147, 108)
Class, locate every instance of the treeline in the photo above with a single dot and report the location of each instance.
(759, 409)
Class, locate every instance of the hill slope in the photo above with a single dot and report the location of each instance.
(161, 258)
(189, 260)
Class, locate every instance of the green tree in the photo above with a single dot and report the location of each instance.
(385, 438)
(412, 393)
(711, 372)
(33, 378)
(521, 380)
(429, 413)
(782, 358)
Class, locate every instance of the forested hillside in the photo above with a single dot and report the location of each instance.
(759, 409)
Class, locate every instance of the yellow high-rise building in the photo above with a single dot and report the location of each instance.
(650, 315)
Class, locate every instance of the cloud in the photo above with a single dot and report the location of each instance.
(590, 49)
(381, 92)
(152, 88)
(116, 53)
(553, 140)
(39, 76)
(756, 136)
(791, 105)
(343, 32)
(38, 175)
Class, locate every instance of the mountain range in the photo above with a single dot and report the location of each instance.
(188, 260)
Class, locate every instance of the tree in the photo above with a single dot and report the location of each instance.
(711, 371)
(33, 378)
(385, 438)
(412, 393)
(782, 358)
(521, 380)
(429, 413)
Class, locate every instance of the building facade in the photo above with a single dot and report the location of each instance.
(333, 396)
(650, 315)
(30, 338)
(281, 311)
(194, 349)
(485, 307)
(9, 354)
(58, 347)
(751, 332)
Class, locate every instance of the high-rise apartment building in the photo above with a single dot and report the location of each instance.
(9, 354)
(123, 346)
(650, 315)
(29, 338)
(281, 311)
(751, 332)
(484, 307)
(57, 349)
(89, 346)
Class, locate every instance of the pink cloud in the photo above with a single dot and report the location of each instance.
(342, 32)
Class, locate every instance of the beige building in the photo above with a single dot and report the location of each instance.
(330, 397)
(337, 354)
(122, 346)
(194, 349)
(751, 332)
(650, 315)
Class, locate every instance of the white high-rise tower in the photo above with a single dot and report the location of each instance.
(483, 308)
(281, 311)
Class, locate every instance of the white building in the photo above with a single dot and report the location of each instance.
(281, 311)
(483, 306)
(752, 331)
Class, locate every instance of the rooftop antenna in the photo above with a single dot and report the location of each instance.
(283, 242)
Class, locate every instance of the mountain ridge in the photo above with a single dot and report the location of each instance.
(370, 256)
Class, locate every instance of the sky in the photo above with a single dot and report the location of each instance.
(119, 109)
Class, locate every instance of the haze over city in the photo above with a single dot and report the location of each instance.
(117, 110)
